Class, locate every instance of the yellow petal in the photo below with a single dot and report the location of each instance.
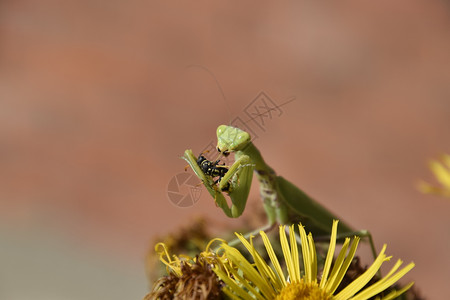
(395, 294)
(266, 272)
(313, 256)
(262, 293)
(294, 251)
(446, 160)
(441, 173)
(363, 279)
(385, 282)
(247, 268)
(273, 258)
(330, 254)
(287, 253)
(332, 280)
(345, 265)
(306, 256)
(231, 288)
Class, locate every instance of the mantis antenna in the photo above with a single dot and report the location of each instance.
(224, 99)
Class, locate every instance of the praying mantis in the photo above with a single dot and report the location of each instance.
(281, 199)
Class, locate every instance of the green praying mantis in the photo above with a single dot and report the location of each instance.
(284, 203)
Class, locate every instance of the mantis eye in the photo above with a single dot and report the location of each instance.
(224, 153)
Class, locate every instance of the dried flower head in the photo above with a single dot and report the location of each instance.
(197, 281)
(188, 278)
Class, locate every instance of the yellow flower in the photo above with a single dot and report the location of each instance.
(442, 173)
(258, 280)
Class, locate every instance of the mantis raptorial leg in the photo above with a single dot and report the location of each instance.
(283, 201)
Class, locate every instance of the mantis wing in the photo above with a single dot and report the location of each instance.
(302, 204)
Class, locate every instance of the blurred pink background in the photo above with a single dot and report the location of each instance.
(97, 106)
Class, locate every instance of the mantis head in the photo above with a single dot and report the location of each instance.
(231, 139)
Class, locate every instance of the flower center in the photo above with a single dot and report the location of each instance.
(304, 291)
